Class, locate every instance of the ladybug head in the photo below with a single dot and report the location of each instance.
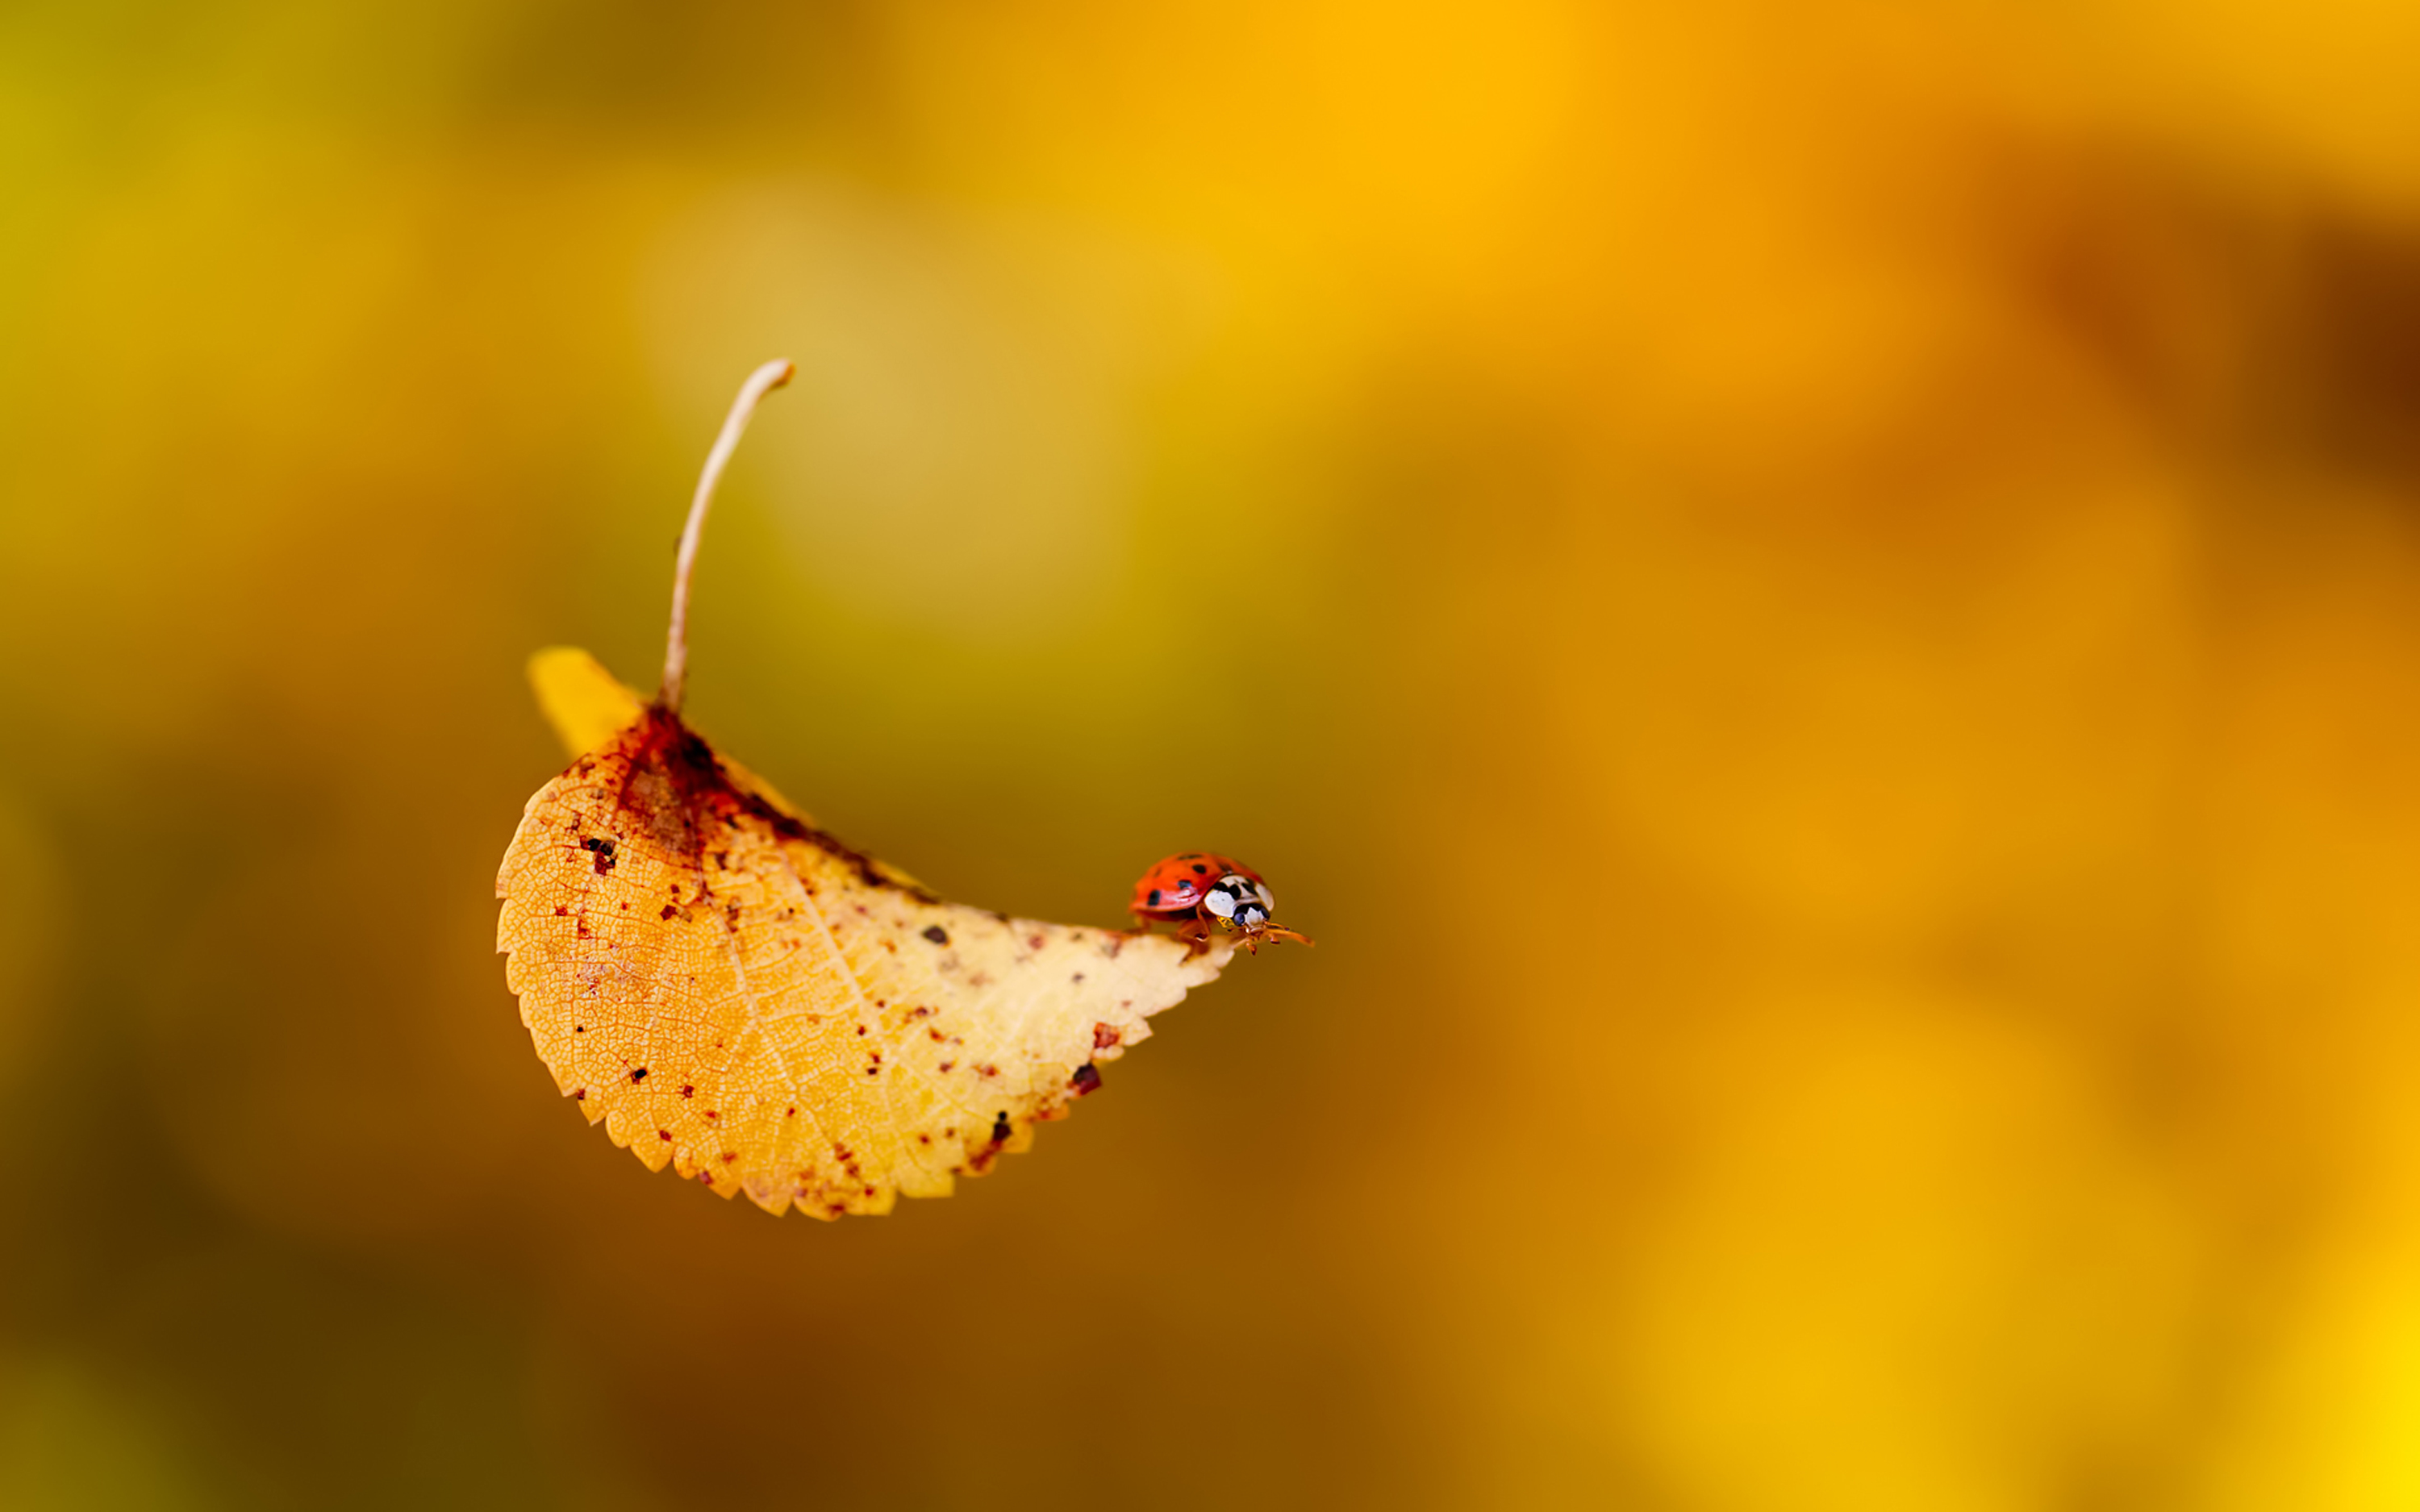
(1237, 902)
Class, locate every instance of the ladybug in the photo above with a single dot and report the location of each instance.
(1200, 891)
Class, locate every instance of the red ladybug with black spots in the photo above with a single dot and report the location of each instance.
(1200, 891)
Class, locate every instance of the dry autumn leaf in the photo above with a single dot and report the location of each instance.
(735, 993)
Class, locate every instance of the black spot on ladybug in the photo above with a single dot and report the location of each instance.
(1201, 871)
(1155, 897)
(1000, 1129)
(937, 934)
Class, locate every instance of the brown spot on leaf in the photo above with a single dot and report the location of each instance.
(937, 934)
(1086, 1081)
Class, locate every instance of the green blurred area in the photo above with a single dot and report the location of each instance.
(1820, 608)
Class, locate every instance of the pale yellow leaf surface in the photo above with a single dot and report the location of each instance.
(734, 994)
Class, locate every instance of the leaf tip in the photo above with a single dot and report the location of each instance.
(582, 701)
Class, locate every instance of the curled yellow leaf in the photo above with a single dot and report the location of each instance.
(737, 994)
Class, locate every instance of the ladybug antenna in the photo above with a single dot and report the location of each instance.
(760, 383)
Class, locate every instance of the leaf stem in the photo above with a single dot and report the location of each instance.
(760, 383)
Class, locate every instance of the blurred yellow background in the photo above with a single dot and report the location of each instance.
(1819, 607)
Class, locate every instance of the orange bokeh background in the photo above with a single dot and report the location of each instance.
(1819, 607)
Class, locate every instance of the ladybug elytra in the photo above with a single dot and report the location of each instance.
(1201, 891)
